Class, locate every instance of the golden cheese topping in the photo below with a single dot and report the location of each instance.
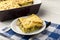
(11, 4)
(8, 5)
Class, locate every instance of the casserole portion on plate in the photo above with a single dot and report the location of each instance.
(30, 23)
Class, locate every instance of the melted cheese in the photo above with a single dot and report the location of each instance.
(11, 4)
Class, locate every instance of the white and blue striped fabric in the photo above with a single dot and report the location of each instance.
(52, 32)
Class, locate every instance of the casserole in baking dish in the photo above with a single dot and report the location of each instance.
(13, 13)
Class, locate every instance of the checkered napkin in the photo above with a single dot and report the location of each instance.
(52, 32)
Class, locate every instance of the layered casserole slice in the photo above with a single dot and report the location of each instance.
(30, 23)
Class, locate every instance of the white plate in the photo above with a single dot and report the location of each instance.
(16, 29)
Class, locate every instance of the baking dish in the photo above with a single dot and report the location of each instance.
(18, 12)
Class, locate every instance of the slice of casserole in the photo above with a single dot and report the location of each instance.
(30, 23)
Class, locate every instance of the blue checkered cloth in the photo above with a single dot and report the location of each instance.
(52, 32)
